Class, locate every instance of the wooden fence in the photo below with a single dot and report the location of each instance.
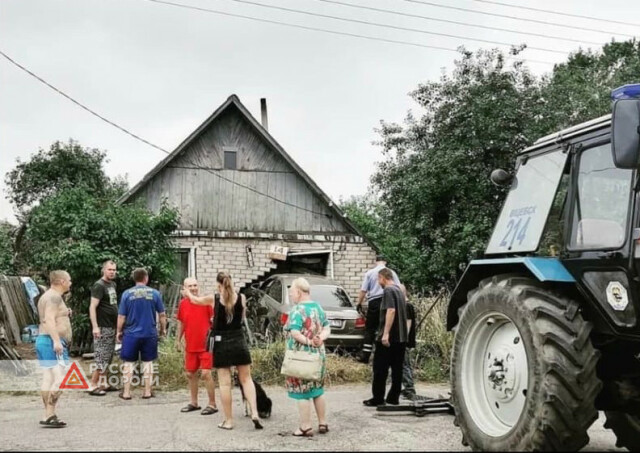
(16, 312)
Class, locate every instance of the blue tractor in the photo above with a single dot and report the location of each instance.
(547, 325)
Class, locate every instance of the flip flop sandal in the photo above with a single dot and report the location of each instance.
(53, 422)
(189, 408)
(304, 433)
(146, 397)
(223, 426)
(126, 398)
(111, 388)
(323, 429)
(97, 392)
(209, 410)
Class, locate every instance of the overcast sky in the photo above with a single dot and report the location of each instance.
(160, 71)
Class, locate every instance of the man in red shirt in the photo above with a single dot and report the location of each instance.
(193, 323)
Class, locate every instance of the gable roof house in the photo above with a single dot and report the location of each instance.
(247, 207)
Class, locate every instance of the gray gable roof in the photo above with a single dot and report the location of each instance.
(233, 100)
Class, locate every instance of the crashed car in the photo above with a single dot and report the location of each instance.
(268, 306)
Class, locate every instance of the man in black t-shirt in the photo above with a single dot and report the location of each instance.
(391, 342)
(103, 312)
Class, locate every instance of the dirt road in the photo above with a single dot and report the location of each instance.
(108, 423)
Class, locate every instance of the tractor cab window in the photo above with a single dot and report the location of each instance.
(526, 209)
(602, 201)
(553, 237)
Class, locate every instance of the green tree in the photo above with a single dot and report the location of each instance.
(579, 89)
(62, 166)
(398, 247)
(77, 231)
(6, 248)
(434, 178)
(433, 181)
(70, 220)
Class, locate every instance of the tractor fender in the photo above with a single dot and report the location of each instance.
(543, 269)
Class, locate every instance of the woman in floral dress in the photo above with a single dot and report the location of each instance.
(308, 328)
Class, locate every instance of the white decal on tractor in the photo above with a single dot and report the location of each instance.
(617, 296)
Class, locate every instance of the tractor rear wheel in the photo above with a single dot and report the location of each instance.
(523, 371)
(626, 427)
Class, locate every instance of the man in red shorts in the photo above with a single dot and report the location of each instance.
(193, 323)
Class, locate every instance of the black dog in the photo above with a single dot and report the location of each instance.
(263, 402)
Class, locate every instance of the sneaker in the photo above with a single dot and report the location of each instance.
(373, 403)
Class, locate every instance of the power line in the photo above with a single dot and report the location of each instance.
(137, 137)
(323, 30)
(467, 24)
(558, 13)
(393, 27)
(506, 16)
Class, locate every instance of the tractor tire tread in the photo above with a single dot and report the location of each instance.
(568, 384)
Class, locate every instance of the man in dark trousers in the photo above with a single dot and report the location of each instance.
(391, 342)
(372, 291)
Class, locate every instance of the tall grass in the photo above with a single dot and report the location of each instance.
(432, 356)
(265, 368)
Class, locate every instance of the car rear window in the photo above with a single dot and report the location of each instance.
(330, 296)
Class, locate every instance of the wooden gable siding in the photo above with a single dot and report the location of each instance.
(207, 202)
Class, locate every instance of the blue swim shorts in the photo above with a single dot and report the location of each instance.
(47, 356)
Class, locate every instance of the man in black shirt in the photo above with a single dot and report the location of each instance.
(103, 312)
(391, 342)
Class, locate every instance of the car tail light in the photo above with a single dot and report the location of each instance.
(360, 323)
(284, 318)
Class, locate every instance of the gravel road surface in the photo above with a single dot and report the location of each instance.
(109, 423)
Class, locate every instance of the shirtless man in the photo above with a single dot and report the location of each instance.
(52, 344)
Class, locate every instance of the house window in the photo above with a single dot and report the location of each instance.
(230, 160)
(184, 265)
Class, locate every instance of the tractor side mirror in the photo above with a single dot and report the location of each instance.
(625, 133)
(500, 178)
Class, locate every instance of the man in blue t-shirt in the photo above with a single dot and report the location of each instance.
(137, 329)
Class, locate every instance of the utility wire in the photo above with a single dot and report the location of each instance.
(467, 24)
(137, 137)
(558, 13)
(393, 27)
(555, 24)
(323, 30)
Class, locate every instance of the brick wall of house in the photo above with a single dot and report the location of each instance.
(351, 260)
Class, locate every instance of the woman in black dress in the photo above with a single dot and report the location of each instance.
(230, 347)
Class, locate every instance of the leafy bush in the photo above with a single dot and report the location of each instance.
(70, 220)
(76, 231)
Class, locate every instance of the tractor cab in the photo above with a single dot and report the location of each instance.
(546, 324)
